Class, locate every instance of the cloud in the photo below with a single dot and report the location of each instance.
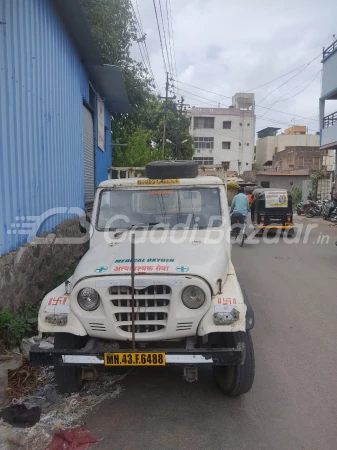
(228, 47)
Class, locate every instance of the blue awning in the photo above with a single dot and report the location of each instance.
(109, 81)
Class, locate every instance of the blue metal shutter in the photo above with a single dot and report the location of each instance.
(89, 156)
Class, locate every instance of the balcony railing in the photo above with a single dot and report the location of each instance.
(330, 120)
(330, 49)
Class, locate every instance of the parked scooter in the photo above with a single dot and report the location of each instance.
(329, 210)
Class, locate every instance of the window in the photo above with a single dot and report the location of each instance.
(265, 184)
(203, 142)
(247, 144)
(239, 144)
(164, 207)
(248, 124)
(240, 124)
(227, 125)
(226, 145)
(225, 165)
(204, 161)
(203, 122)
(92, 97)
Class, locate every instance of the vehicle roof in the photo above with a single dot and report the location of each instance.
(129, 182)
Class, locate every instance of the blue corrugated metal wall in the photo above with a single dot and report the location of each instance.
(42, 86)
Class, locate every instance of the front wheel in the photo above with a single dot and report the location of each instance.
(68, 379)
(236, 380)
(310, 213)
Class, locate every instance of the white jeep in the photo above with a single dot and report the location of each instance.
(157, 286)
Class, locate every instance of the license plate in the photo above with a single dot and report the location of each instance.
(135, 359)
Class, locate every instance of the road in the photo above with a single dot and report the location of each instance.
(293, 402)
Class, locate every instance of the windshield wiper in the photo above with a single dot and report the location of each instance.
(150, 224)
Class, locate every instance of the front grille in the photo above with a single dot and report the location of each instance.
(151, 307)
(126, 317)
(97, 326)
(141, 302)
(184, 326)
(142, 328)
(159, 289)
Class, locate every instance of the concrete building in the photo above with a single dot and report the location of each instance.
(225, 135)
(296, 129)
(270, 143)
(56, 99)
(288, 179)
(328, 120)
(296, 158)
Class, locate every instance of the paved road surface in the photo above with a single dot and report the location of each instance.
(293, 403)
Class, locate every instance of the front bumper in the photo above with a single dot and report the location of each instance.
(95, 357)
(276, 227)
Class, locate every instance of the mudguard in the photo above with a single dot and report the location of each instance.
(57, 304)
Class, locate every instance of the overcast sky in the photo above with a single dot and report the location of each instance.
(235, 46)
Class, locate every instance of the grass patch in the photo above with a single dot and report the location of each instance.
(14, 326)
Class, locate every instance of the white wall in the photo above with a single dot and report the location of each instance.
(238, 133)
(265, 147)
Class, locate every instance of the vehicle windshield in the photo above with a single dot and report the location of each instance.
(197, 208)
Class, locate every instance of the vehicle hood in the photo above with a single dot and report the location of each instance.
(204, 260)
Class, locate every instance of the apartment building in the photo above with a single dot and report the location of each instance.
(225, 135)
(328, 100)
(269, 143)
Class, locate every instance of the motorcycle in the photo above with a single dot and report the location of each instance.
(329, 210)
(315, 209)
(303, 206)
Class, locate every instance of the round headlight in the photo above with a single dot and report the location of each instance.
(193, 297)
(88, 299)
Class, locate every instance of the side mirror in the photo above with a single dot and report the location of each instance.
(84, 224)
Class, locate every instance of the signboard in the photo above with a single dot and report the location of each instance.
(276, 199)
(157, 182)
(100, 127)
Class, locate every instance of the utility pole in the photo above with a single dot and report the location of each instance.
(165, 113)
(181, 105)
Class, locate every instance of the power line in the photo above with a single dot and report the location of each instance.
(226, 96)
(259, 117)
(278, 87)
(164, 32)
(173, 44)
(295, 95)
(147, 63)
(169, 32)
(282, 76)
(161, 42)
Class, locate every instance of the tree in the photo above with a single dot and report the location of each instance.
(139, 150)
(115, 31)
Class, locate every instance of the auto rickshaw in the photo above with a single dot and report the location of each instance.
(272, 209)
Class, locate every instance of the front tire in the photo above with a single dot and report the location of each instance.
(310, 213)
(68, 379)
(236, 380)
